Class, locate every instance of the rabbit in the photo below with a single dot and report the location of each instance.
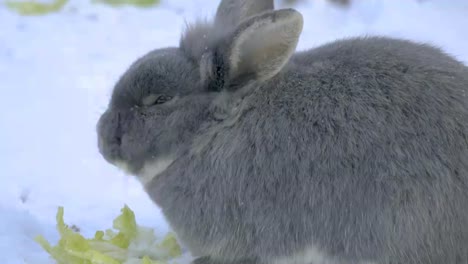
(352, 152)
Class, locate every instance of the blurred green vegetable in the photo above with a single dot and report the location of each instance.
(35, 8)
(131, 243)
(140, 3)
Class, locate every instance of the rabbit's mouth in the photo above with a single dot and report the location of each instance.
(124, 166)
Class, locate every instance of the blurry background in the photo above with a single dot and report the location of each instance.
(59, 61)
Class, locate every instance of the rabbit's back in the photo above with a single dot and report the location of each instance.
(357, 150)
(372, 136)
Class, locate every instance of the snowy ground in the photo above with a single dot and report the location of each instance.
(56, 74)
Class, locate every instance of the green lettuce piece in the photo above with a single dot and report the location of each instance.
(126, 223)
(169, 245)
(139, 3)
(128, 243)
(35, 8)
(147, 260)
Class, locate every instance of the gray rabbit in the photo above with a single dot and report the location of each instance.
(352, 152)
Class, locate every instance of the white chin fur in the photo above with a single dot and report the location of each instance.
(311, 255)
(149, 171)
(152, 169)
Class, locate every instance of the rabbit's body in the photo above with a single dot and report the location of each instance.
(355, 167)
(352, 152)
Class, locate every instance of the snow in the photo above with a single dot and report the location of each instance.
(57, 72)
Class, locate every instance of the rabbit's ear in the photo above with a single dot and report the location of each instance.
(261, 45)
(232, 12)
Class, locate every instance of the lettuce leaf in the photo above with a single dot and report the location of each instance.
(128, 243)
(34, 7)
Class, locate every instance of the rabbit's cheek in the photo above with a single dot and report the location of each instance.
(135, 147)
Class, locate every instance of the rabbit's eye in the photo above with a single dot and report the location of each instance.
(154, 99)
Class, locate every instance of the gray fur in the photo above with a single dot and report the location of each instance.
(196, 40)
(353, 152)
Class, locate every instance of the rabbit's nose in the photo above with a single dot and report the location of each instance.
(110, 127)
(109, 130)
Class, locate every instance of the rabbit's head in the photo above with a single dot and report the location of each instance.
(169, 96)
